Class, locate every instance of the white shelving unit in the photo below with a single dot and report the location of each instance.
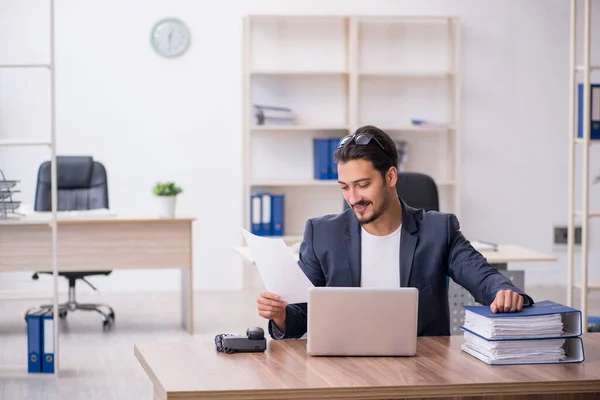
(16, 142)
(338, 73)
(580, 74)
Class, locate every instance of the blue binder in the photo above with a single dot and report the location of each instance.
(321, 159)
(34, 341)
(571, 333)
(594, 111)
(571, 318)
(255, 214)
(266, 208)
(333, 166)
(277, 214)
(48, 343)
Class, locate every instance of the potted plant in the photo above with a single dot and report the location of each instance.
(167, 193)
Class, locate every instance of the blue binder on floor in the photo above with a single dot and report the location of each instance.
(34, 341)
(48, 343)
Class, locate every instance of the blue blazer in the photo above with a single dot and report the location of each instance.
(431, 248)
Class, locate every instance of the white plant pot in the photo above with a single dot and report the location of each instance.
(168, 204)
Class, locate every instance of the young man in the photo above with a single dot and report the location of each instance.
(383, 242)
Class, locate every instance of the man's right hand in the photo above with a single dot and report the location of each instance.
(270, 307)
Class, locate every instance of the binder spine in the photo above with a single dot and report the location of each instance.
(277, 204)
(321, 159)
(48, 343)
(34, 342)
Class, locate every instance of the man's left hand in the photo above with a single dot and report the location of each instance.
(507, 301)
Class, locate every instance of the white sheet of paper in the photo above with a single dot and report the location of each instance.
(278, 269)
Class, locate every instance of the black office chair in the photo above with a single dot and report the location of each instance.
(82, 184)
(417, 190)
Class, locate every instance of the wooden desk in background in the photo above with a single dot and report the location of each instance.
(193, 369)
(505, 254)
(102, 242)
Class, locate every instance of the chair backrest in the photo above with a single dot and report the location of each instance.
(417, 190)
(82, 185)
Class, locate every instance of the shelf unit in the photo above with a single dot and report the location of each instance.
(16, 142)
(338, 73)
(580, 74)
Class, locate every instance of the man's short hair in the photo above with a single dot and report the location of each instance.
(380, 150)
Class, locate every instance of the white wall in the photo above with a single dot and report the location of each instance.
(147, 118)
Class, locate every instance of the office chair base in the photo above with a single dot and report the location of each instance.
(108, 318)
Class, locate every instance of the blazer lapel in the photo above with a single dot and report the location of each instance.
(352, 247)
(408, 242)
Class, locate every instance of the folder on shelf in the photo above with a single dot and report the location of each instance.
(34, 341)
(333, 142)
(322, 165)
(266, 215)
(48, 342)
(594, 111)
(255, 214)
(277, 209)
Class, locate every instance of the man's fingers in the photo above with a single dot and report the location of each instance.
(269, 295)
(507, 301)
(500, 301)
(272, 303)
(520, 301)
(515, 301)
(494, 308)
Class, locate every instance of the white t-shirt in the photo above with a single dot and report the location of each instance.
(380, 260)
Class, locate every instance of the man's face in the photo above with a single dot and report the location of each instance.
(364, 189)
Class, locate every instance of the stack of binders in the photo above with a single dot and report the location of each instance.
(40, 342)
(545, 333)
(324, 164)
(267, 213)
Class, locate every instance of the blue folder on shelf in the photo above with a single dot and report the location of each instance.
(594, 111)
(34, 341)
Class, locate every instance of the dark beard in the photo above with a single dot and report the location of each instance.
(376, 213)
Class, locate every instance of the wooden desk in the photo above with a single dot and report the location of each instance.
(194, 370)
(506, 253)
(100, 242)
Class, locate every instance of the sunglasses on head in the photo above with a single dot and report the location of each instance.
(361, 139)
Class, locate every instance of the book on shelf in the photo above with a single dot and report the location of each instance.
(273, 115)
(267, 214)
(325, 167)
(546, 332)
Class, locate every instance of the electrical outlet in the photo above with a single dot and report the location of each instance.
(560, 235)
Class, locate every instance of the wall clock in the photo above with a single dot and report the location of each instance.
(170, 37)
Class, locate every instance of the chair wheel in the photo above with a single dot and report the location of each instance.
(111, 315)
(62, 314)
(107, 324)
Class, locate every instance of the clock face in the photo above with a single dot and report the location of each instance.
(170, 38)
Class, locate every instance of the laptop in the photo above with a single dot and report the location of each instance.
(351, 321)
